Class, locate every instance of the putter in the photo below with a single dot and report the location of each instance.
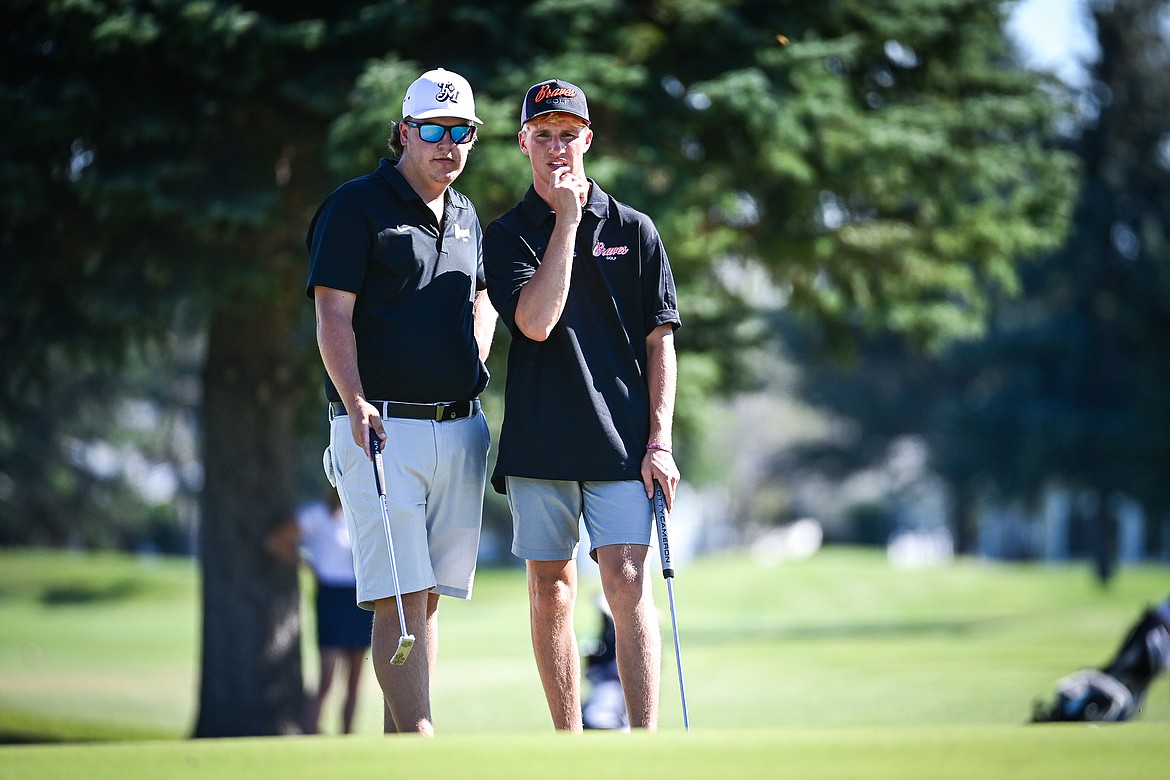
(668, 574)
(406, 642)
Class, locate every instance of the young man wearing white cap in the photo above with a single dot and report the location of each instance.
(404, 327)
(583, 283)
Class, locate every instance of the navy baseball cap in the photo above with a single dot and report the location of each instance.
(554, 95)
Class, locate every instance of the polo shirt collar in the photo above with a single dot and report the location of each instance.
(388, 171)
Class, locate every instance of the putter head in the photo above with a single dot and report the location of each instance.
(405, 644)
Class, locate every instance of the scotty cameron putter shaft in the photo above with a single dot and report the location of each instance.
(406, 642)
(668, 573)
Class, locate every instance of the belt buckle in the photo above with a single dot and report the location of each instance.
(440, 412)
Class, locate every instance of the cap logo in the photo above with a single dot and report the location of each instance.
(548, 93)
(447, 92)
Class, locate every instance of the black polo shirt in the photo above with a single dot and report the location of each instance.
(415, 286)
(576, 405)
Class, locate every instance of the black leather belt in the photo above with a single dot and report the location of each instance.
(437, 412)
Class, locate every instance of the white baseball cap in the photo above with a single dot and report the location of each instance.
(438, 93)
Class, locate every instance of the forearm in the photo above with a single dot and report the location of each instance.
(484, 323)
(658, 463)
(542, 301)
(661, 382)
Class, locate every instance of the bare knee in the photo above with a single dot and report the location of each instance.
(552, 585)
(623, 576)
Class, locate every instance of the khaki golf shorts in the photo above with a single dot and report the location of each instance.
(435, 476)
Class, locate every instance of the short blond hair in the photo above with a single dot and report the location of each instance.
(557, 118)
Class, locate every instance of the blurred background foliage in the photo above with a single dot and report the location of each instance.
(889, 237)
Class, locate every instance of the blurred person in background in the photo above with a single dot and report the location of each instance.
(343, 628)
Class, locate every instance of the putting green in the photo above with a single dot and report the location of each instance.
(1066, 751)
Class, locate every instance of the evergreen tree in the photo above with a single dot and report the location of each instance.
(159, 153)
(1070, 387)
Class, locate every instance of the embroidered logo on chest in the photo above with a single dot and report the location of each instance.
(601, 250)
(463, 234)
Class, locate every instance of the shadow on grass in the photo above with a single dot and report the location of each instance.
(21, 738)
(71, 593)
(23, 729)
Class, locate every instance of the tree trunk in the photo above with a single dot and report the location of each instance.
(251, 682)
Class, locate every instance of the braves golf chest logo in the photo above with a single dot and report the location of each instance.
(447, 92)
(601, 250)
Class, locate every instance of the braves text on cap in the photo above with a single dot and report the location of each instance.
(555, 95)
(439, 93)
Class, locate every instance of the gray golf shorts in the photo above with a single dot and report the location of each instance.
(546, 516)
(435, 476)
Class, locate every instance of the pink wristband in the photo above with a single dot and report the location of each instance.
(659, 447)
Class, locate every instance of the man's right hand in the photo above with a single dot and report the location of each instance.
(567, 194)
(364, 418)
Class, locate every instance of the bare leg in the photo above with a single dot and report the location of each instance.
(639, 642)
(552, 591)
(330, 656)
(405, 688)
(432, 632)
(353, 661)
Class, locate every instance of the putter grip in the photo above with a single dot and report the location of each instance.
(663, 540)
(379, 474)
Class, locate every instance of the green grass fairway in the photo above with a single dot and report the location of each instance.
(1069, 752)
(838, 666)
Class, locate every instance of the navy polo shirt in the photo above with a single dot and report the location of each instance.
(415, 286)
(576, 405)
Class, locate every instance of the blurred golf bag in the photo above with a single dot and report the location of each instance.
(604, 707)
(1115, 692)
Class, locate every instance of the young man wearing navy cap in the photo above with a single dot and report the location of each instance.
(583, 284)
(404, 327)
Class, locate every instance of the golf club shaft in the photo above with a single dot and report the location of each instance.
(668, 574)
(380, 479)
(678, 654)
(394, 569)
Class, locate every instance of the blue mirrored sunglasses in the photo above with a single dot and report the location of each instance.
(432, 133)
